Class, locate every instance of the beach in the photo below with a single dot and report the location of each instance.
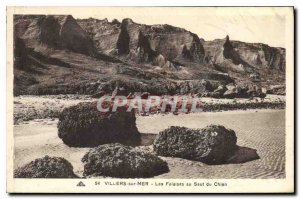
(263, 130)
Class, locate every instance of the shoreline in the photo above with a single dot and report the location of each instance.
(193, 114)
(29, 107)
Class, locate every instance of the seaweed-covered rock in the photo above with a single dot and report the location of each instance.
(117, 160)
(83, 125)
(46, 167)
(212, 144)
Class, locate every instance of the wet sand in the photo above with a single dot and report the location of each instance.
(263, 130)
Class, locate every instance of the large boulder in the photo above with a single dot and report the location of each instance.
(83, 125)
(116, 160)
(46, 167)
(212, 144)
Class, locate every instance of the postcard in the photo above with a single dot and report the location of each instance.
(150, 99)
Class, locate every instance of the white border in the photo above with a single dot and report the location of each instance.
(107, 3)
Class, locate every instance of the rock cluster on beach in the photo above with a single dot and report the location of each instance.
(46, 167)
(231, 91)
(122, 161)
(83, 125)
(212, 145)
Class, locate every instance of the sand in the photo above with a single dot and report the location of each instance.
(263, 130)
(29, 107)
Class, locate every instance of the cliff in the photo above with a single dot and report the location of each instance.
(156, 44)
(58, 32)
(244, 57)
(59, 54)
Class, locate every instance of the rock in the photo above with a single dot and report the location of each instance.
(230, 53)
(20, 53)
(59, 32)
(119, 91)
(155, 43)
(220, 89)
(237, 91)
(262, 95)
(207, 85)
(145, 95)
(218, 92)
(256, 91)
(159, 60)
(99, 94)
(277, 90)
(123, 41)
(160, 39)
(169, 66)
(255, 77)
(242, 155)
(83, 125)
(50, 31)
(115, 21)
(45, 40)
(245, 58)
(277, 87)
(230, 93)
(73, 37)
(230, 86)
(251, 91)
(104, 34)
(212, 144)
(46, 167)
(214, 94)
(116, 160)
(243, 91)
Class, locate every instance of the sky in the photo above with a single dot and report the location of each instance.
(256, 25)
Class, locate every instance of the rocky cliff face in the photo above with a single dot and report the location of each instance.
(161, 43)
(58, 32)
(261, 55)
(157, 44)
(103, 33)
(244, 57)
(58, 54)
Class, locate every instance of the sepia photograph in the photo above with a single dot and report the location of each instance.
(140, 99)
